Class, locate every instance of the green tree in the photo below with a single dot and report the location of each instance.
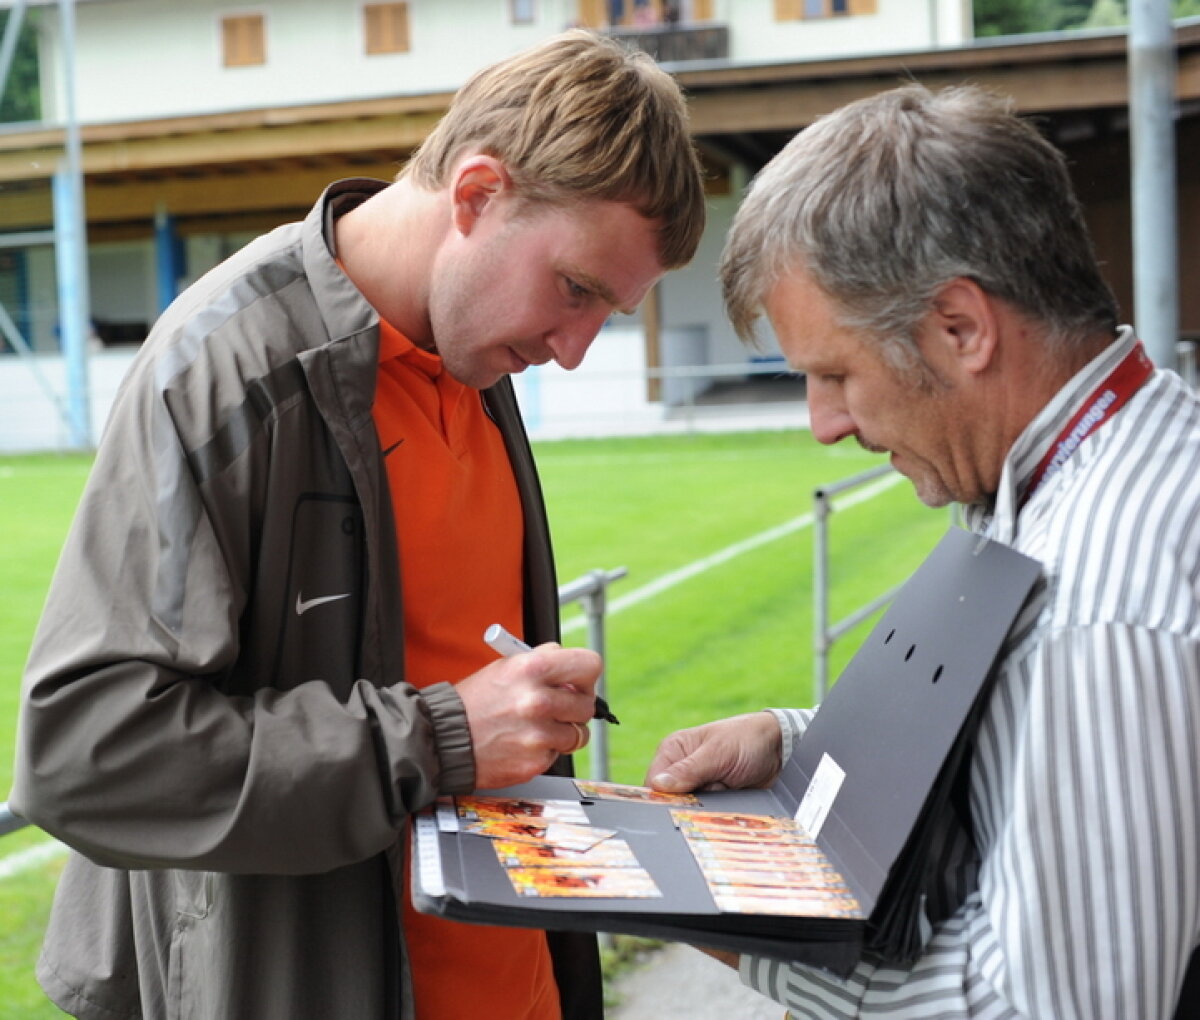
(1106, 14)
(22, 94)
(1009, 17)
(1018, 17)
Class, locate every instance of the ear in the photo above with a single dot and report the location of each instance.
(963, 325)
(478, 182)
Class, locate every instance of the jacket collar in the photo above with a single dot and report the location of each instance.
(343, 309)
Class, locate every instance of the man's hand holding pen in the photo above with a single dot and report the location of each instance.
(502, 641)
(524, 710)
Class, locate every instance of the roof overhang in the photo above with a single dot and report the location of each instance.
(278, 158)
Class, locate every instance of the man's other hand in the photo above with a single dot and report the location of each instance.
(731, 754)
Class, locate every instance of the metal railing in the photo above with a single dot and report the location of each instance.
(824, 632)
(8, 821)
(591, 590)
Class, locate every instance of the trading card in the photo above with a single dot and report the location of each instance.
(737, 827)
(786, 903)
(708, 844)
(639, 794)
(611, 853)
(610, 883)
(475, 807)
(797, 878)
(535, 830)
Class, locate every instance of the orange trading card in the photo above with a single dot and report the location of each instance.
(535, 830)
(610, 883)
(748, 854)
(638, 794)
(797, 878)
(738, 827)
(611, 853)
(475, 807)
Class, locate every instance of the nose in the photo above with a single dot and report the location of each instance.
(570, 343)
(828, 418)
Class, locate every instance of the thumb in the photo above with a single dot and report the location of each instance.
(682, 776)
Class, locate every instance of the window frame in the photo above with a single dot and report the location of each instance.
(231, 48)
(397, 37)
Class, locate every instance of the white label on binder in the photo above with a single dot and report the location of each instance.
(429, 858)
(447, 814)
(819, 797)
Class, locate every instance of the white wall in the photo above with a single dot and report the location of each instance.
(31, 418)
(121, 281)
(898, 25)
(140, 59)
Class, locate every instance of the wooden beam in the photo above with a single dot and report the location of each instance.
(399, 133)
(291, 188)
(793, 106)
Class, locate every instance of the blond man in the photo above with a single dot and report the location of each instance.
(262, 651)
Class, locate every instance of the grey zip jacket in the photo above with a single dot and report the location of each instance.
(214, 715)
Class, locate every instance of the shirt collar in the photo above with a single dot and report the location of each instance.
(394, 344)
(999, 516)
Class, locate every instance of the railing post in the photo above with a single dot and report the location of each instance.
(10, 822)
(592, 591)
(821, 509)
(825, 633)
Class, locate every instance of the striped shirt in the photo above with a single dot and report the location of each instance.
(1077, 895)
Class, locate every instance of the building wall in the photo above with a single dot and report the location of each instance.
(896, 25)
(169, 53)
(314, 53)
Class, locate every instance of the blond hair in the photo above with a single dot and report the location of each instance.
(579, 117)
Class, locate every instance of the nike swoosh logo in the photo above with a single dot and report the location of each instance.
(304, 605)
(391, 448)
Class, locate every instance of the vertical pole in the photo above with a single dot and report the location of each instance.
(166, 258)
(70, 227)
(594, 605)
(820, 594)
(8, 48)
(72, 304)
(1152, 144)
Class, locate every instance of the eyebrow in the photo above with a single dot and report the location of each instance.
(598, 287)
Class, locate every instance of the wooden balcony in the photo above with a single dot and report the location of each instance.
(672, 44)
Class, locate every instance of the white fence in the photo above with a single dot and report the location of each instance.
(611, 394)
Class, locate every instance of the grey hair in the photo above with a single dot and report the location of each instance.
(888, 199)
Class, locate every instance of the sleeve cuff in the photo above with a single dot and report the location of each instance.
(451, 737)
(792, 724)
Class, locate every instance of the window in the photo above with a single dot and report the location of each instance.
(634, 13)
(385, 28)
(522, 11)
(243, 40)
(805, 10)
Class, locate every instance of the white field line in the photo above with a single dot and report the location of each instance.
(31, 857)
(696, 567)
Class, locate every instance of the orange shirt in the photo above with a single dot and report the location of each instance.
(461, 537)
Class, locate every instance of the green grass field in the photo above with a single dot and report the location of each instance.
(732, 638)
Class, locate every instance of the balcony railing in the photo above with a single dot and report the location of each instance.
(669, 44)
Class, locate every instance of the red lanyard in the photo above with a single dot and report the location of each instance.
(1107, 399)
